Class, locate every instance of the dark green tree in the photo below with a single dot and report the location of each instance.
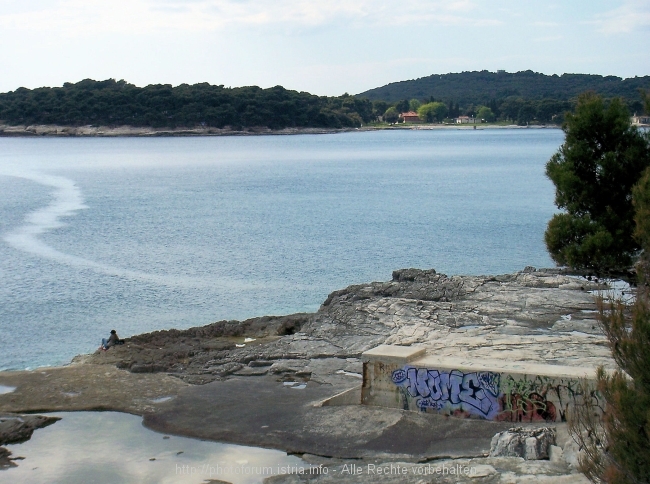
(402, 106)
(645, 97)
(616, 447)
(641, 202)
(594, 171)
(379, 108)
(526, 113)
(510, 108)
(494, 107)
(616, 443)
(627, 414)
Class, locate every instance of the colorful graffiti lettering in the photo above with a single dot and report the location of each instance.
(475, 393)
(542, 398)
(525, 400)
(491, 395)
(526, 408)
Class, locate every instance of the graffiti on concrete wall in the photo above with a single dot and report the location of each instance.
(476, 393)
(542, 398)
(490, 395)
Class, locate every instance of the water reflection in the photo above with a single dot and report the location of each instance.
(114, 447)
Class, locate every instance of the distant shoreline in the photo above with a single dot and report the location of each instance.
(148, 132)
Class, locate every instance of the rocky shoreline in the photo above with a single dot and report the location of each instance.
(149, 132)
(541, 316)
(262, 381)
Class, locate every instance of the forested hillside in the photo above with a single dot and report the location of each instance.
(521, 97)
(112, 103)
(481, 87)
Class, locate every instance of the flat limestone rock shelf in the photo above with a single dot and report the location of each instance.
(288, 419)
(257, 382)
(533, 316)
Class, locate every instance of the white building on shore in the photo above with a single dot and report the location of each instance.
(640, 120)
(467, 120)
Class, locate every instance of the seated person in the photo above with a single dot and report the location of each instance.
(113, 340)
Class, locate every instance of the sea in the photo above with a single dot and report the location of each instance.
(142, 234)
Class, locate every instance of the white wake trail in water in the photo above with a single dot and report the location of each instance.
(67, 201)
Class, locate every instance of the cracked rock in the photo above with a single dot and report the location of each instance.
(531, 444)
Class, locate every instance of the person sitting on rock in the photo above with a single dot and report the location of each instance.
(113, 339)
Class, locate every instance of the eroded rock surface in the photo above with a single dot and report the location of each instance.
(529, 443)
(536, 316)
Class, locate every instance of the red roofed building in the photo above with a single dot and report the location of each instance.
(410, 117)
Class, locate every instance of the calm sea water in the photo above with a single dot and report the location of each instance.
(145, 234)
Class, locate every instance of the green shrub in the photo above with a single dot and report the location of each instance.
(602, 158)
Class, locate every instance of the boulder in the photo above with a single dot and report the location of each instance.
(529, 443)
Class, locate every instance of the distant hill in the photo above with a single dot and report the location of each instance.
(116, 103)
(481, 87)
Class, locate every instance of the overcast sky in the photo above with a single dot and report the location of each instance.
(322, 46)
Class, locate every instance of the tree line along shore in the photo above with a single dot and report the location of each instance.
(110, 103)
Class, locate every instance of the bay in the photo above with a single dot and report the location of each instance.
(142, 234)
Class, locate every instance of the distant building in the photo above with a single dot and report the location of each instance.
(410, 117)
(640, 119)
(501, 71)
(467, 120)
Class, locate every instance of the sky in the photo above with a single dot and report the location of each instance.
(326, 47)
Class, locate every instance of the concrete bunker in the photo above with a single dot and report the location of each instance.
(408, 378)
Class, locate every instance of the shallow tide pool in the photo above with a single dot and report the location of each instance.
(115, 447)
